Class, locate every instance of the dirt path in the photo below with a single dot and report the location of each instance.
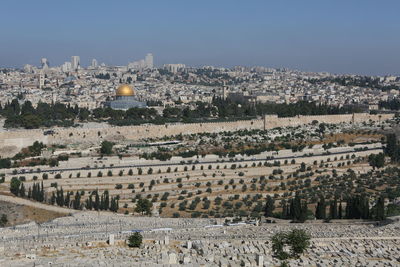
(25, 202)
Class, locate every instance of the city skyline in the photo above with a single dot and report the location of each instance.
(337, 37)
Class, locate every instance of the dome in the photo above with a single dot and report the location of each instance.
(125, 90)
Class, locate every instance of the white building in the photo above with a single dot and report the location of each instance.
(75, 62)
(94, 63)
(44, 63)
(66, 67)
(149, 61)
(174, 67)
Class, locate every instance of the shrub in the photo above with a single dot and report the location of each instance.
(135, 240)
(298, 241)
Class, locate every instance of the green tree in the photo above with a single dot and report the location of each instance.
(376, 160)
(392, 147)
(77, 201)
(320, 212)
(143, 206)
(269, 206)
(106, 147)
(3, 220)
(380, 209)
(297, 241)
(14, 185)
(135, 240)
(22, 190)
(279, 241)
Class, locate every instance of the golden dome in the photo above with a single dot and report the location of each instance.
(125, 90)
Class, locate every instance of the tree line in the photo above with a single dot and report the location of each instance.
(58, 114)
(65, 199)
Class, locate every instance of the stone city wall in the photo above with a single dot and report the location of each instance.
(149, 131)
(12, 141)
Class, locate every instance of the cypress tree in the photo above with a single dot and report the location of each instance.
(53, 199)
(284, 211)
(269, 207)
(77, 201)
(320, 212)
(112, 206)
(335, 209)
(380, 209)
(106, 200)
(97, 201)
(22, 190)
(297, 208)
(67, 200)
(62, 197)
(304, 210)
(340, 211)
(41, 193)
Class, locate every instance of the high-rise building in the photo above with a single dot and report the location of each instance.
(44, 63)
(75, 62)
(94, 63)
(149, 61)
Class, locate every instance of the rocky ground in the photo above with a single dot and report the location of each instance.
(19, 213)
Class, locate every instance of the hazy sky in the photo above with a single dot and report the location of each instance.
(349, 36)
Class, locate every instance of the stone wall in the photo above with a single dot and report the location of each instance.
(150, 131)
(12, 141)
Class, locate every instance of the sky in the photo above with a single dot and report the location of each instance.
(337, 36)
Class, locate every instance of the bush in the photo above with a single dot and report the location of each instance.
(135, 240)
(298, 241)
(14, 185)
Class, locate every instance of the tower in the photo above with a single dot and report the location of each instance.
(224, 91)
(149, 61)
(75, 62)
(44, 63)
(41, 80)
(94, 63)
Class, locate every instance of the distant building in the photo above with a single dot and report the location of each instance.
(66, 67)
(149, 61)
(94, 63)
(75, 62)
(44, 63)
(174, 68)
(125, 99)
